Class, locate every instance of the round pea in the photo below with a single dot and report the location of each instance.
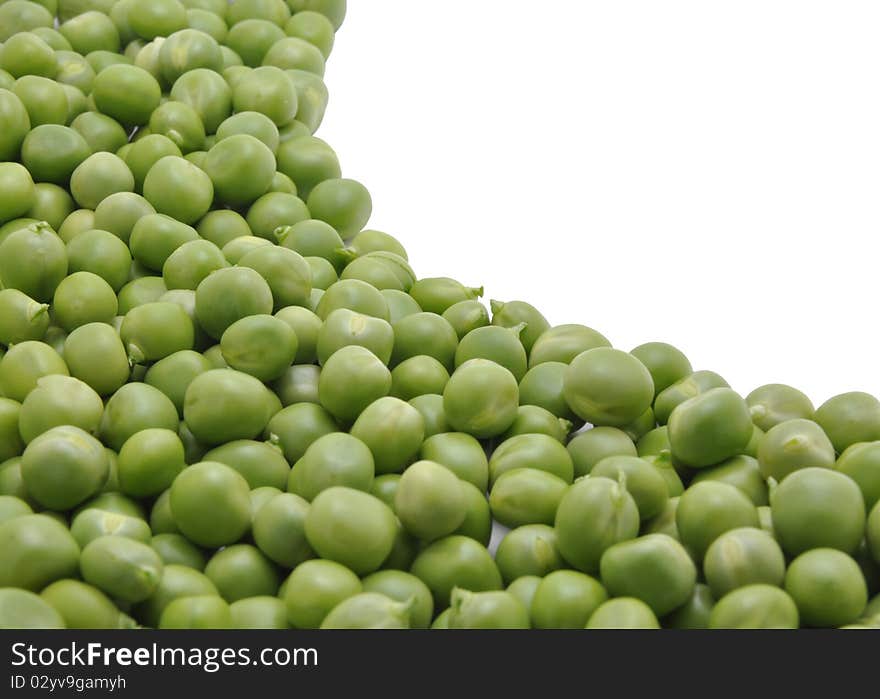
(742, 557)
(850, 418)
(529, 550)
(59, 400)
(460, 453)
(827, 586)
(279, 530)
(709, 428)
(210, 503)
(566, 599)
(756, 606)
(792, 445)
(21, 609)
(91, 523)
(456, 561)
(643, 481)
(481, 398)
(47, 261)
(740, 471)
(198, 612)
(175, 549)
(393, 430)
(259, 613)
(774, 403)
(623, 613)
(36, 550)
(296, 427)
(688, 387)
(250, 291)
(207, 93)
(861, 462)
(526, 496)
(121, 567)
(537, 451)
(351, 379)
(242, 571)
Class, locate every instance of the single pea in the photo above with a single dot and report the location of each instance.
(543, 385)
(402, 587)
(262, 612)
(242, 571)
(431, 406)
(664, 466)
(792, 445)
(46, 101)
(623, 613)
(430, 500)
(21, 609)
(481, 398)
(314, 588)
(96, 356)
(523, 588)
(296, 427)
(369, 610)
(24, 364)
(774, 403)
(279, 530)
(563, 343)
(51, 204)
(695, 613)
(477, 523)
(351, 379)
(423, 334)
(417, 376)
(643, 481)
(438, 294)
(312, 238)
(608, 387)
(47, 258)
(566, 599)
(487, 610)
(532, 419)
(121, 567)
(210, 503)
(178, 188)
(259, 345)
(639, 427)
(336, 459)
(59, 400)
(589, 448)
(140, 290)
(818, 508)
(538, 451)
(21, 318)
(23, 17)
(83, 298)
(16, 122)
(149, 461)
(198, 612)
(251, 293)
(207, 93)
(92, 523)
(177, 581)
(192, 263)
(393, 430)
(343, 203)
(155, 237)
(383, 270)
(25, 53)
(12, 506)
(526, 496)
(84, 606)
(241, 169)
(460, 453)
(343, 327)
(466, 316)
(253, 124)
(456, 561)
(850, 418)
(145, 152)
(529, 550)
(261, 464)
(324, 274)
(173, 374)
(513, 313)
(740, 471)
(861, 462)
(355, 295)
(36, 551)
(175, 549)
(594, 514)
(271, 211)
(756, 606)
(126, 93)
(222, 225)
(102, 253)
(666, 363)
(708, 509)
(742, 557)
(251, 39)
(307, 327)
(683, 389)
(11, 483)
(498, 344)
(827, 586)
(51, 152)
(709, 428)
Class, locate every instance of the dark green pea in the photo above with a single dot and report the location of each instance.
(456, 561)
(21, 318)
(466, 316)
(740, 471)
(221, 226)
(251, 293)
(335, 459)
(708, 509)
(121, 567)
(20, 609)
(481, 398)
(48, 261)
(688, 387)
(279, 530)
(177, 582)
(24, 364)
(210, 503)
(135, 407)
(431, 406)
(351, 379)
(531, 419)
(528, 550)
(605, 386)
(425, 334)
(643, 481)
(590, 447)
(537, 451)
(63, 467)
(84, 606)
(460, 453)
(566, 599)
(755, 607)
(526, 496)
(417, 376)
(59, 400)
(351, 527)
(623, 613)
(709, 428)
(861, 462)
(36, 551)
(792, 445)
(314, 588)
(594, 514)
(803, 519)
(240, 572)
(828, 588)
(430, 500)
(742, 557)
(312, 238)
(774, 403)
(695, 613)
(654, 568)
(92, 523)
(542, 385)
(296, 427)
(175, 549)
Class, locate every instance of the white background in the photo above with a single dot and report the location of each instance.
(703, 173)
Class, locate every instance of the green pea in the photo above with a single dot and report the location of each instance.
(48, 261)
(431, 406)
(59, 400)
(481, 398)
(23, 17)
(36, 550)
(850, 418)
(20, 609)
(121, 567)
(279, 530)
(498, 344)
(16, 122)
(695, 613)
(25, 54)
(643, 481)
(198, 612)
(24, 364)
(140, 290)
(92, 523)
(861, 462)
(393, 430)
(240, 572)
(21, 318)
(528, 550)
(639, 427)
(523, 588)
(756, 606)
(740, 471)
(709, 428)
(314, 588)
(708, 509)
(336, 459)
(526, 496)
(542, 385)
(251, 293)
(792, 445)
(11, 483)
(566, 599)
(149, 461)
(153, 331)
(742, 557)
(430, 500)
(404, 588)
(261, 464)
(12, 506)
(355, 295)
(460, 453)
(688, 387)
(537, 451)
(241, 169)
(590, 447)
(774, 403)
(343, 203)
(155, 237)
(84, 606)
(112, 502)
(417, 376)
(456, 561)
(803, 519)
(178, 188)
(83, 298)
(307, 327)
(177, 582)
(343, 327)
(311, 238)
(487, 610)
(424, 334)
(351, 379)
(323, 273)
(477, 523)
(368, 610)
(827, 586)
(210, 503)
(96, 356)
(594, 514)
(259, 345)
(666, 363)
(260, 612)
(222, 225)
(531, 419)
(51, 204)
(296, 427)
(175, 549)
(623, 613)
(466, 316)
(563, 343)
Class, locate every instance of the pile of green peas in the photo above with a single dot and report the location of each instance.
(226, 403)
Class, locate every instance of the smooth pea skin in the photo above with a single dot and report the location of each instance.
(532, 419)
(563, 343)
(861, 462)
(279, 530)
(709, 428)
(259, 613)
(741, 557)
(827, 586)
(84, 606)
(47, 266)
(430, 500)
(481, 398)
(643, 481)
(177, 581)
(818, 507)
(393, 430)
(740, 471)
(149, 461)
(526, 496)
(543, 385)
(95, 355)
(197, 612)
(594, 514)
(850, 418)
(24, 364)
(605, 386)
(261, 464)
(314, 588)
(175, 549)
(91, 523)
(351, 527)
(666, 363)
(250, 291)
(487, 610)
(21, 609)
(306, 325)
(467, 315)
(210, 503)
(222, 405)
(296, 427)
(259, 345)
(343, 327)
(403, 587)
(56, 401)
(538, 451)
(460, 453)
(242, 571)
(774, 403)
(755, 607)
(455, 561)
(121, 567)
(566, 599)
(36, 550)
(135, 407)
(683, 389)
(336, 459)
(623, 613)
(706, 510)
(351, 379)
(693, 614)
(417, 376)
(588, 448)
(368, 610)
(792, 445)
(528, 550)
